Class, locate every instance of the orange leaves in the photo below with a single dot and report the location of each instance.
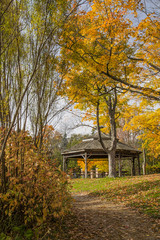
(36, 190)
(36, 197)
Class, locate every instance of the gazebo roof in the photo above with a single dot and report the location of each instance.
(92, 146)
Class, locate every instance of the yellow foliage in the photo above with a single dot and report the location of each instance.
(100, 41)
(101, 164)
(148, 125)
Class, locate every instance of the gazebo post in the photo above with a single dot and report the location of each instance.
(64, 163)
(120, 166)
(86, 168)
(144, 162)
(133, 167)
(139, 167)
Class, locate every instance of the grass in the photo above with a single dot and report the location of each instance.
(141, 192)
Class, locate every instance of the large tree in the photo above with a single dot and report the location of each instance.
(95, 43)
(102, 52)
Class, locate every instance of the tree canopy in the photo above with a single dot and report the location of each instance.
(110, 56)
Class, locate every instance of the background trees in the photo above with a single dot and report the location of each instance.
(29, 58)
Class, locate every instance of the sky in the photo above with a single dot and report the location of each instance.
(70, 122)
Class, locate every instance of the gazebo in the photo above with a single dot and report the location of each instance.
(90, 149)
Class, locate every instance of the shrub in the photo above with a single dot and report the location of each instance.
(153, 169)
(37, 196)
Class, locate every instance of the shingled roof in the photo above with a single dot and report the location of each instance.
(91, 145)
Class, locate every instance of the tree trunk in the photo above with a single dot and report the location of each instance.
(111, 101)
(2, 159)
(112, 163)
(3, 176)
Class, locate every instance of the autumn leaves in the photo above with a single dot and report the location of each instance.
(110, 51)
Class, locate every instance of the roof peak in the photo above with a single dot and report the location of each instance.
(96, 136)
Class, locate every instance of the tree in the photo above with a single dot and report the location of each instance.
(102, 52)
(97, 42)
(30, 33)
(115, 54)
(10, 34)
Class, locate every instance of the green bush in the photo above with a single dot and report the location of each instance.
(153, 169)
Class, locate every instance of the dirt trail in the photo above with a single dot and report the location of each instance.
(96, 219)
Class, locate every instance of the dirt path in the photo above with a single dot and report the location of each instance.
(96, 219)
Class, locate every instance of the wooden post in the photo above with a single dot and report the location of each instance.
(82, 173)
(120, 166)
(133, 167)
(92, 174)
(139, 166)
(64, 163)
(86, 168)
(96, 172)
(144, 161)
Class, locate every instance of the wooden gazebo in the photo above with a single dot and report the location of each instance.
(90, 149)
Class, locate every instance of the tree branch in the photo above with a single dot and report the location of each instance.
(149, 90)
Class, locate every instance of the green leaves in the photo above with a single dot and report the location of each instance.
(3, 236)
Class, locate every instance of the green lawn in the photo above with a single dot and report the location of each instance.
(142, 192)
